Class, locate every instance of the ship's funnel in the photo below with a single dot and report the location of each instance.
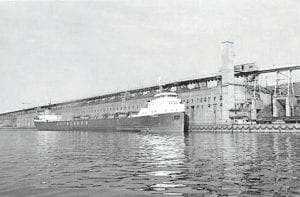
(227, 68)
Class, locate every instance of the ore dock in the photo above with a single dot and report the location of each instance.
(232, 100)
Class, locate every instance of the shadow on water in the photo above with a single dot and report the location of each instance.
(194, 164)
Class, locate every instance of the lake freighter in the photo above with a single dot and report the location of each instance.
(164, 113)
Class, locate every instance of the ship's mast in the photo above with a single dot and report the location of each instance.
(160, 88)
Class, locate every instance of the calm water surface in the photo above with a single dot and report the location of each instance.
(49, 163)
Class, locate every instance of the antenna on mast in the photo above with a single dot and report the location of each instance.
(49, 104)
(26, 103)
(160, 84)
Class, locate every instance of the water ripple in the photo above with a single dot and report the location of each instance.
(200, 164)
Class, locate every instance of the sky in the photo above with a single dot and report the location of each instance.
(64, 50)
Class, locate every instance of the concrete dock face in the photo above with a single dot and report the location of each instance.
(247, 128)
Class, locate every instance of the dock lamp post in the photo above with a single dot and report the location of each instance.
(25, 122)
(215, 114)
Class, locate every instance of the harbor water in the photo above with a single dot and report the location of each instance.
(79, 163)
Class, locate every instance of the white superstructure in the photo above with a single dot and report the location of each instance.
(162, 103)
(47, 117)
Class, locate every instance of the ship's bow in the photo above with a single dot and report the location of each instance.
(170, 123)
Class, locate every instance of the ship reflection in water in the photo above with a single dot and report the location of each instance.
(69, 163)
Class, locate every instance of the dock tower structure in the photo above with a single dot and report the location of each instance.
(228, 86)
(227, 67)
(284, 94)
(274, 102)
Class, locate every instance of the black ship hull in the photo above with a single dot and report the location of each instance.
(171, 122)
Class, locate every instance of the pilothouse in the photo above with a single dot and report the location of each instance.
(162, 103)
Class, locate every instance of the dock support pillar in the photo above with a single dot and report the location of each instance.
(253, 110)
(287, 107)
(275, 108)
